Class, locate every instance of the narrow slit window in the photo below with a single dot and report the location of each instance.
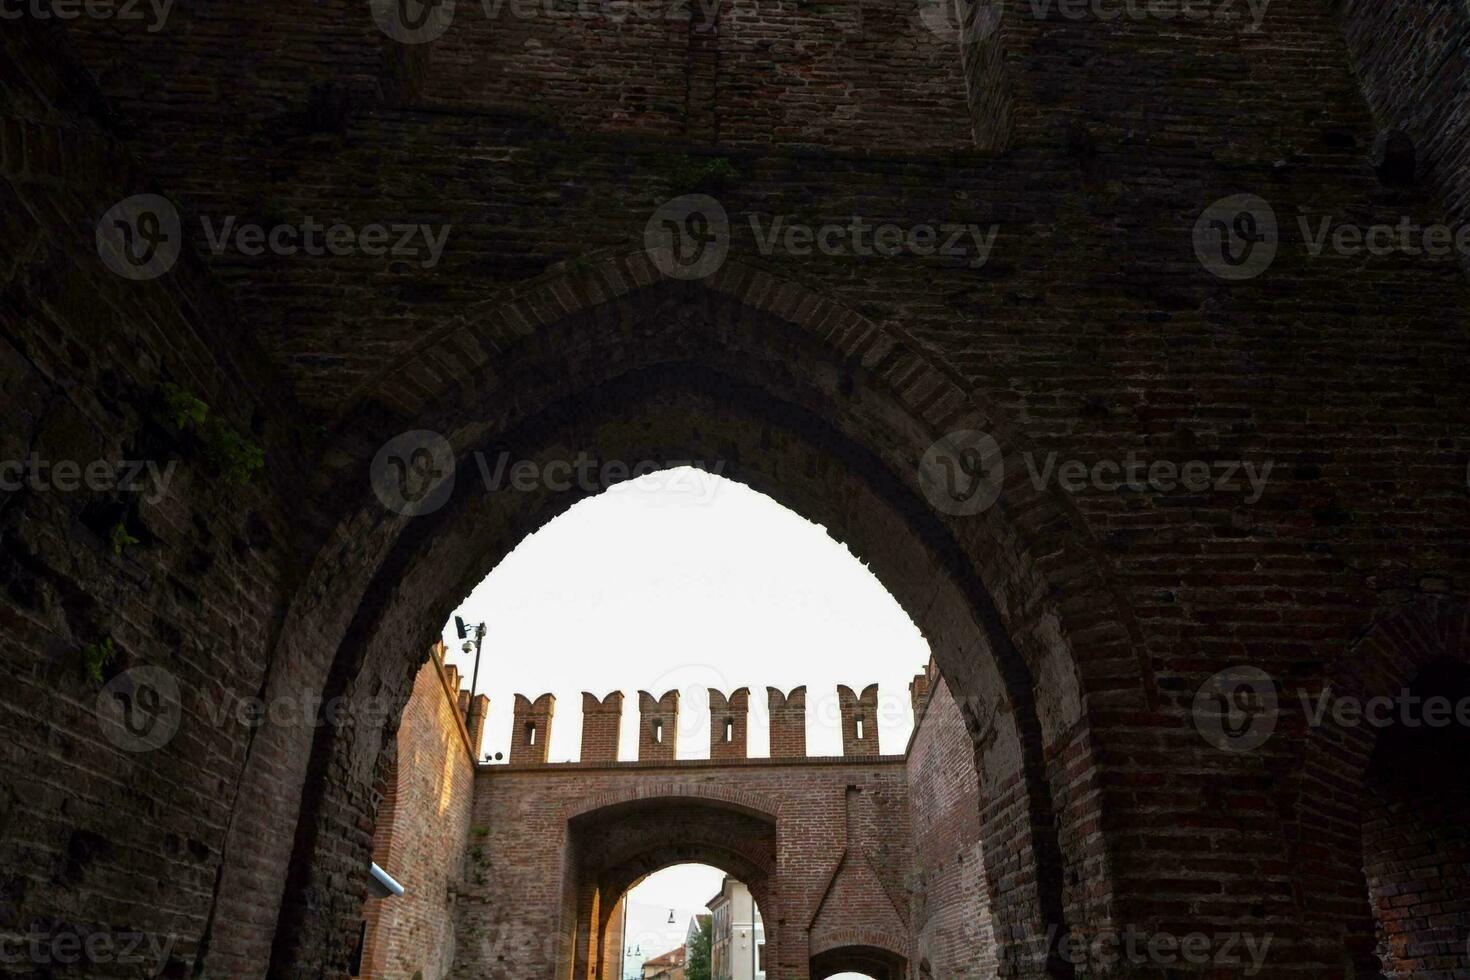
(658, 732)
(530, 734)
(729, 729)
(860, 727)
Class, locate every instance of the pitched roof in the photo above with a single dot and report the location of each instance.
(674, 957)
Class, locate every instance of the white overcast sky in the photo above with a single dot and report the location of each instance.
(685, 580)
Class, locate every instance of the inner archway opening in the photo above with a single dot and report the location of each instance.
(1416, 825)
(714, 929)
(822, 475)
(824, 790)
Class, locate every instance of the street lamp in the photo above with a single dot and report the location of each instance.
(464, 634)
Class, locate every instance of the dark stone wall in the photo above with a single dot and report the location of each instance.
(113, 834)
(1085, 620)
(1413, 59)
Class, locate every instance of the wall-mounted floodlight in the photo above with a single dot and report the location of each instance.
(383, 885)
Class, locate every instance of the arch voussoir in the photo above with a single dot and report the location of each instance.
(857, 400)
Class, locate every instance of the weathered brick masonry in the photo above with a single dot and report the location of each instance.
(1072, 628)
(423, 827)
(828, 847)
(521, 870)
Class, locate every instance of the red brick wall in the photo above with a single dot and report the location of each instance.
(859, 719)
(1094, 333)
(530, 732)
(787, 719)
(834, 832)
(602, 723)
(423, 837)
(855, 76)
(951, 900)
(729, 717)
(658, 726)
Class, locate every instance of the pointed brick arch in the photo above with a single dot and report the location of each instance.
(811, 403)
(614, 846)
(713, 794)
(858, 951)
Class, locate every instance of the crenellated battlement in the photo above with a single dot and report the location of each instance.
(729, 724)
(658, 726)
(728, 721)
(472, 709)
(859, 720)
(530, 732)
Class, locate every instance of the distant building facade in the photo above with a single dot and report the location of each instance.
(669, 966)
(737, 937)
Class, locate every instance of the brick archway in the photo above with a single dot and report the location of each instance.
(613, 847)
(805, 401)
(732, 799)
(1337, 760)
(862, 953)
